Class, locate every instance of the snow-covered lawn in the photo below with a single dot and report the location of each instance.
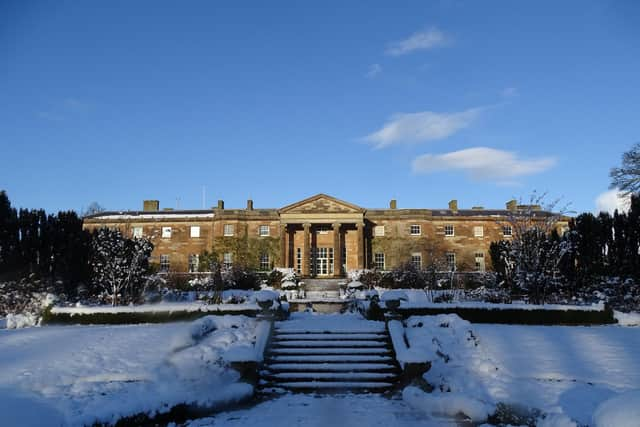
(564, 371)
(76, 375)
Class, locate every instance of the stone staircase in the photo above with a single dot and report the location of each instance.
(359, 358)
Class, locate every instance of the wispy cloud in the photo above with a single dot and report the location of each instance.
(421, 40)
(482, 163)
(421, 127)
(611, 200)
(373, 71)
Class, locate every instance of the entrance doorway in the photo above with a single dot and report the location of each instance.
(323, 261)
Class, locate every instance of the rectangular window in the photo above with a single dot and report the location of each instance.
(263, 230)
(416, 260)
(264, 262)
(164, 263)
(166, 232)
(228, 230)
(137, 232)
(195, 231)
(478, 231)
(344, 258)
(378, 260)
(378, 231)
(449, 230)
(299, 260)
(451, 261)
(507, 231)
(194, 263)
(479, 261)
(227, 260)
(414, 230)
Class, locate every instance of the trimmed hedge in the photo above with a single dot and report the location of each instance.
(518, 317)
(134, 318)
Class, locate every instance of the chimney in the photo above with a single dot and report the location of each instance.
(453, 205)
(249, 205)
(220, 204)
(512, 205)
(151, 205)
(393, 204)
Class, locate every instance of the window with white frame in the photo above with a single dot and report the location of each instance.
(416, 260)
(228, 229)
(166, 232)
(449, 231)
(227, 260)
(478, 231)
(263, 230)
(507, 231)
(451, 261)
(164, 263)
(195, 231)
(299, 260)
(378, 231)
(479, 261)
(137, 232)
(378, 260)
(194, 263)
(264, 262)
(414, 229)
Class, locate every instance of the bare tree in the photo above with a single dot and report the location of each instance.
(533, 254)
(627, 177)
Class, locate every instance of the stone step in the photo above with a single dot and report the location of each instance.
(327, 358)
(277, 336)
(329, 376)
(328, 344)
(329, 386)
(334, 351)
(332, 367)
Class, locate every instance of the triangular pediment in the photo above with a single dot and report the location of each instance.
(321, 203)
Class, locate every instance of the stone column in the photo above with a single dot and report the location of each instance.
(306, 250)
(337, 250)
(360, 249)
(284, 246)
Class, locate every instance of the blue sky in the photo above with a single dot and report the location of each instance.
(117, 102)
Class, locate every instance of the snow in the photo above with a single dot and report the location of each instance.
(266, 295)
(494, 306)
(77, 375)
(394, 295)
(16, 321)
(303, 410)
(620, 411)
(3, 323)
(448, 404)
(627, 319)
(312, 322)
(163, 307)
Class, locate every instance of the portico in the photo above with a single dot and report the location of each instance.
(322, 236)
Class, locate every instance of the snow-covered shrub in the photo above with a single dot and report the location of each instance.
(23, 303)
(279, 276)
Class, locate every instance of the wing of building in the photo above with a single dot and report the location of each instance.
(320, 236)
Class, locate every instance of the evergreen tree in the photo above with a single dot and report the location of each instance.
(9, 235)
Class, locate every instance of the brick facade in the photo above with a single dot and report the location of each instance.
(313, 235)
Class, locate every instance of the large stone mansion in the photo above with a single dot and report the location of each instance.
(318, 237)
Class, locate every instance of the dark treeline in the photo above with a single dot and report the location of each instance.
(52, 247)
(605, 245)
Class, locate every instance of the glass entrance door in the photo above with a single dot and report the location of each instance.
(323, 261)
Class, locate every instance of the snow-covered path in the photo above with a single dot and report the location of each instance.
(304, 410)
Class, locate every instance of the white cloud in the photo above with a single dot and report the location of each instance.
(374, 70)
(421, 126)
(421, 40)
(482, 163)
(611, 200)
